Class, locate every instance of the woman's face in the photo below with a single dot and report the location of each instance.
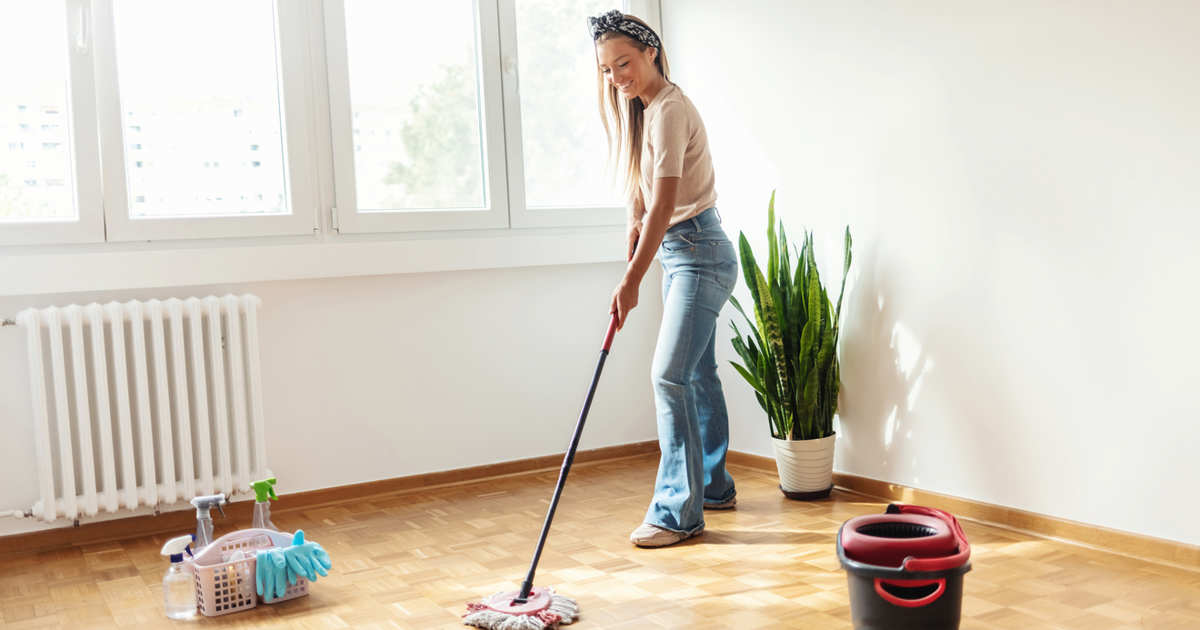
(629, 69)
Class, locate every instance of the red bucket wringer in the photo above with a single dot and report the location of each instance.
(905, 568)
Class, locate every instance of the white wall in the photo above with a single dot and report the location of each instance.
(376, 377)
(1020, 179)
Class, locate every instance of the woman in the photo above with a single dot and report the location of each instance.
(660, 140)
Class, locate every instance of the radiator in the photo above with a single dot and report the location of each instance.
(144, 403)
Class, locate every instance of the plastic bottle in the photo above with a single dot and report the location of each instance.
(179, 587)
(204, 524)
(264, 491)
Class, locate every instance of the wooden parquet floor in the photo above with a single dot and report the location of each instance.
(412, 560)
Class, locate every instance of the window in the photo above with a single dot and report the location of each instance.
(44, 185)
(454, 142)
(436, 160)
(563, 147)
(190, 100)
(35, 86)
(186, 105)
(417, 120)
(482, 115)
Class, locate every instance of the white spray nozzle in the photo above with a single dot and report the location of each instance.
(205, 503)
(176, 547)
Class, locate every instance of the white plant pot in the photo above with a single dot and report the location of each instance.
(805, 467)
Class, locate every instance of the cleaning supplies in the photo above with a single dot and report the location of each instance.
(270, 573)
(278, 567)
(263, 491)
(306, 559)
(204, 524)
(179, 589)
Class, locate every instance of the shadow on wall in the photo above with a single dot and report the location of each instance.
(888, 363)
(927, 402)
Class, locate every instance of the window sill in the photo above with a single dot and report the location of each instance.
(107, 267)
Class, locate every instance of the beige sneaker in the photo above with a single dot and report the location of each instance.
(724, 505)
(647, 535)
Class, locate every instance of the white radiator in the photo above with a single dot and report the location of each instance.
(144, 403)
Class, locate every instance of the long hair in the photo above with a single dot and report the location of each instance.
(623, 118)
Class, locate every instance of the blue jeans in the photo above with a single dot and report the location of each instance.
(699, 273)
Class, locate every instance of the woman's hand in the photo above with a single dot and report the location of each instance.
(624, 299)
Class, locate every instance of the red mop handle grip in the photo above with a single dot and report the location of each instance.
(612, 331)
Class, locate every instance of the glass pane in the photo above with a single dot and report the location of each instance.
(415, 105)
(36, 178)
(200, 108)
(563, 140)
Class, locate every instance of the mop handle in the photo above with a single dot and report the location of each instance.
(527, 585)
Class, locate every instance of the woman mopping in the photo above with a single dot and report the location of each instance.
(663, 148)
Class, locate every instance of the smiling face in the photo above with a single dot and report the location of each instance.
(626, 65)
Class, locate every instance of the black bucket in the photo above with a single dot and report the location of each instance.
(923, 593)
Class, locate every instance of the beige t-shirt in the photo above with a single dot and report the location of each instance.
(674, 144)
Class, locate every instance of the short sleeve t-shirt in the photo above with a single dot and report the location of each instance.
(674, 144)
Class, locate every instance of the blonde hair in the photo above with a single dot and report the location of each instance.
(623, 118)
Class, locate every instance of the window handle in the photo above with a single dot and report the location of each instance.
(82, 31)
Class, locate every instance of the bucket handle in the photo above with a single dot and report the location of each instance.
(910, 603)
(944, 563)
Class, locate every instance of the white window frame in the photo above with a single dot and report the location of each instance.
(84, 151)
(292, 48)
(319, 174)
(522, 215)
(347, 217)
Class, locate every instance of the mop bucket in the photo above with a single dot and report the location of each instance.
(904, 568)
(225, 583)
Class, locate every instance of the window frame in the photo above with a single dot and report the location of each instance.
(314, 90)
(346, 215)
(522, 215)
(292, 47)
(83, 148)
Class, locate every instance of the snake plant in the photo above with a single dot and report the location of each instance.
(790, 355)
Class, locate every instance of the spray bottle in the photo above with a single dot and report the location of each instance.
(264, 491)
(179, 589)
(204, 524)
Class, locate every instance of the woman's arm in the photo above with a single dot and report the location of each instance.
(633, 225)
(662, 206)
(637, 209)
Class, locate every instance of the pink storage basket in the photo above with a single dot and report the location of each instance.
(225, 585)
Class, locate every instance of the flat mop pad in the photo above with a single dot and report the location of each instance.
(543, 611)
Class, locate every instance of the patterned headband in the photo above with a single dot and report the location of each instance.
(615, 21)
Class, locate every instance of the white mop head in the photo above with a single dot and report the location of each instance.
(544, 611)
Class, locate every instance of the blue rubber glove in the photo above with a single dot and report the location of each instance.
(306, 559)
(270, 574)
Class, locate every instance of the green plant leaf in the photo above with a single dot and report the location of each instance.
(770, 325)
(772, 246)
(750, 322)
(758, 387)
(825, 357)
(749, 268)
(845, 270)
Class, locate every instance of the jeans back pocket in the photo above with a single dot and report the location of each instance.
(677, 243)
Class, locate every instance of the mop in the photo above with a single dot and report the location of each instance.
(539, 608)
